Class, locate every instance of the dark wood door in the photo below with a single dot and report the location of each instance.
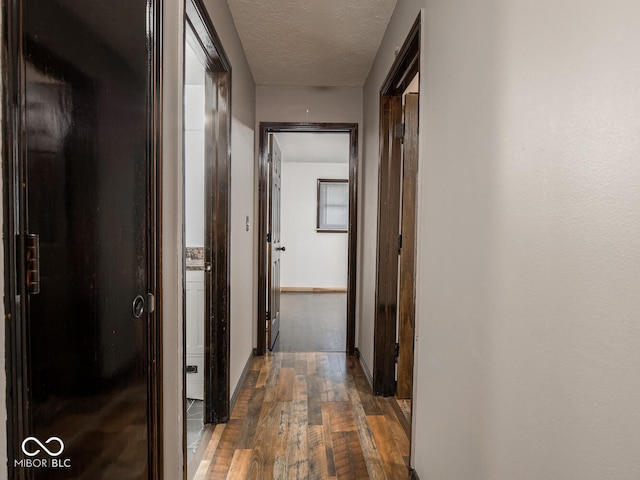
(384, 362)
(406, 294)
(273, 287)
(87, 169)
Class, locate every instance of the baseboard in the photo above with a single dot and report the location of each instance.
(243, 377)
(313, 289)
(414, 474)
(365, 368)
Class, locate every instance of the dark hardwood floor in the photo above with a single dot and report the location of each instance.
(312, 322)
(308, 416)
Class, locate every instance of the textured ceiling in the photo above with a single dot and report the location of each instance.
(311, 42)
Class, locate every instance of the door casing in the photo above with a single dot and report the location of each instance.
(217, 223)
(274, 127)
(402, 72)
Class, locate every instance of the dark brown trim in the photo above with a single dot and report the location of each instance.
(272, 127)
(403, 70)
(17, 396)
(196, 15)
(200, 32)
(156, 356)
(365, 368)
(243, 377)
(406, 65)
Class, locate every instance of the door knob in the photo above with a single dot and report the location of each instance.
(282, 249)
(138, 306)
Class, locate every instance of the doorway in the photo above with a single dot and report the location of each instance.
(270, 247)
(81, 108)
(206, 235)
(313, 185)
(396, 242)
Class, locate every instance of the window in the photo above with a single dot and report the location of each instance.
(333, 205)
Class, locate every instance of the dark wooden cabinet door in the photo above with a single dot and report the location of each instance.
(87, 175)
(273, 289)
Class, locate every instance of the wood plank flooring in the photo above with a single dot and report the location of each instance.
(308, 415)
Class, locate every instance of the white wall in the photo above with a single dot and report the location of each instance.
(529, 246)
(194, 165)
(172, 195)
(308, 104)
(243, 121)
(312, 259)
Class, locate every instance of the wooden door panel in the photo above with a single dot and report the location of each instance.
(406, 304)
(87, 172)
(386, 301)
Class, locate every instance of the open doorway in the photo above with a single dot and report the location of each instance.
(396, 243)
(314, 214)
(195, 209)
(206, 232)
(271, 246)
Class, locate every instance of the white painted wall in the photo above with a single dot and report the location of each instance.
(172, 224)
(312, 259)
(242, 137)
(529, 237)
(308, 104)
(194, 165)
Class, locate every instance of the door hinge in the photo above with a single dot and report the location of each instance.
(397, 351)
(399, 130)
(268, 238)
(399, 243)
(33, 263)
(268, 315)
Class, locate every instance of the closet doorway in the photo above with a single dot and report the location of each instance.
(207, 127)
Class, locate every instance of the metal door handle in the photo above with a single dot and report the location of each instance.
(282, 249)
(138, 306)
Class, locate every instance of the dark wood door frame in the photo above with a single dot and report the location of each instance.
(265, 129)
(403, 70)
(200, 29)
(14, 215)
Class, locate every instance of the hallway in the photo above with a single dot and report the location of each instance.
(308, 415)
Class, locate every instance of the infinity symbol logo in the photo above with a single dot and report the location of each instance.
(35, 440)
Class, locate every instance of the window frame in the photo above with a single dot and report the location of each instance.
(320, 182)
